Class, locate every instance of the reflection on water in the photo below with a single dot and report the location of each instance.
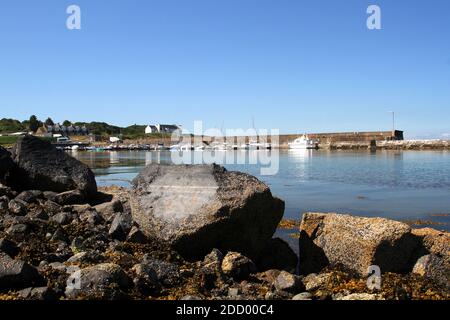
(397, 184)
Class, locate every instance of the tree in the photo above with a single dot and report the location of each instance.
(34, 123)
(10, 126)
(49, 122)
(67, 123)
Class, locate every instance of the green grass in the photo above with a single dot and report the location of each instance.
(8, 140)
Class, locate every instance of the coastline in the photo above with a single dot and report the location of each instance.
(220, 246)
(177, 279)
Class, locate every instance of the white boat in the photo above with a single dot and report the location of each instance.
(199, 148)
(254, 145)
(303, 143)
(220, 147)
(75, 147)
(174, 147)
(186, 147)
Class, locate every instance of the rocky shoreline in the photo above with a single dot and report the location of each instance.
(192, 232)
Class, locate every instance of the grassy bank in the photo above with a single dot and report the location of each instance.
(8, 141)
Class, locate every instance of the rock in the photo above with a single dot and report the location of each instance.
(69, 197)
(6, 165)
(121, 226)
(277, 254)
(233, 292)
(289, 283)
(303, 296)
(38, 214)
(195, 208)
(435, 256)
(136, 236)
(17, 207)
(268, 276)
(77, 244)
(19, 229)
(62, 218)
(79, 257)
(190, 297)
(51, 207)
(8, 247)
(6, 191)
(16, 273)
(210, 269)
(58, 266)
(108, 210)
(59, 235)
(213, 261)
(4, 202)
(314, 281)
(354, 243)
(362, 296)
(157, 271)
(50, 195)
(237, 265)
(41, 293)
(41, 166)
(102, 281)
(30, 196)
(90, 217)
(435, 268)
(81, 208)
(434, 241)
(271, 296)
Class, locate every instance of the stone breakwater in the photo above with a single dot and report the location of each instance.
(388, 145)
(193, 232)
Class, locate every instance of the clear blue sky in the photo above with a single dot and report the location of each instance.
(296, 65)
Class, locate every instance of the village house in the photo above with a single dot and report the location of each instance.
(62, 131)
(163, 128)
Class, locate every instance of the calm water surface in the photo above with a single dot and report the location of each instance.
(402, 185)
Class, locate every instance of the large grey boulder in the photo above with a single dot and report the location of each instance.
(355, 243)
(434, 241)
(41, 166)
(435, 255)
(195, 209)
(6, 164)
(434, 267)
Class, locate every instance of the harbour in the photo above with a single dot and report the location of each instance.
(400, 185)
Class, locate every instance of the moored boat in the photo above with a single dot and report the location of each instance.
(303, 142)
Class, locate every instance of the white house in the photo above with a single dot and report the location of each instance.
(151, 129)
(114, 139)
(163, 128)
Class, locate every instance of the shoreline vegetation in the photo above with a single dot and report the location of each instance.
(61, 237)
